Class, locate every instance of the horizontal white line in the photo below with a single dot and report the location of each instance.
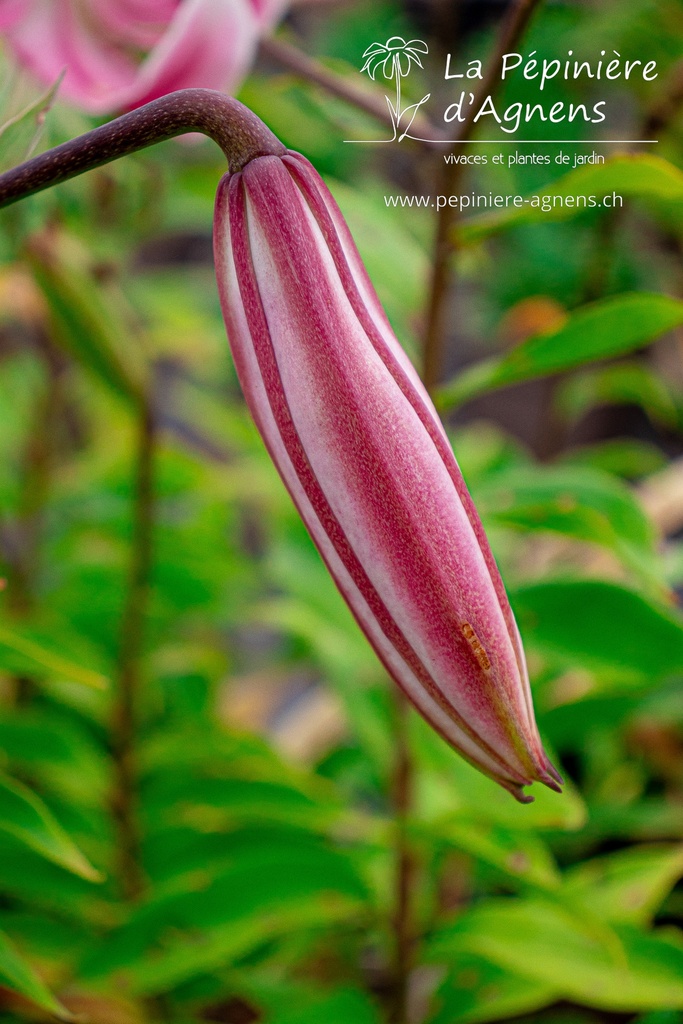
(547, 142)
(515, 142)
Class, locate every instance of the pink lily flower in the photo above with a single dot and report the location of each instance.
(184, 43)
(365, 458)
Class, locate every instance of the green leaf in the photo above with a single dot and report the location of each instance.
(601, 625)
(623, 384)
(581, 503)
(448, 785)
(601, 330)
(235, 906)
(312, 610)
(621, 970)
(179, 852)
(20, 133)
(627, 886)
(16, 974)
(519, 855)
(38, 882)
(22, 388)
(217, 948)
(303, 1005)
(48, 936)
(210, 804)
(478, 991)
(397, 265)
(25, 817)
(638, 177)
(19, 654)
(620, 456)
(484, 449)
(86, 320)
(53, 747)
(214, 781)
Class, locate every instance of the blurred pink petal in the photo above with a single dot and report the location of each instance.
(12, 11)
(51, 38)
(209, 43)
(189, 43)
(139, 23)
(268, 12)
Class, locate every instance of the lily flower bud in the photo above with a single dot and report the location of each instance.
(365, 458)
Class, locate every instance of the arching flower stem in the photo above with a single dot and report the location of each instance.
(239, 133)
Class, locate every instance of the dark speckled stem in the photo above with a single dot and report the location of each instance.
(239, 133)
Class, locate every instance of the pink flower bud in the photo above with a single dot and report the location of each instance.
(361, 450)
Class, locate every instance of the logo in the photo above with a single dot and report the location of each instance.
(395, 59)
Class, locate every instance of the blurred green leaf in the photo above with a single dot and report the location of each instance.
(86, 320)
(627, 886)
(24, 816)
(661, 1017)
(220, 946)
(30, 879)
(483, 450)
(638, 177)
(16, 974)
(623, 384)
(22, 381)
(181, 851)
(447, 784)
(313, 611)
(53, 746)
(397, 265)
(476, 990)
(296, 1004)
(624, 970)
(293, 110)
(601, 330)
(622, 456)
(214, 781)
(21, 655)
(197, 921)
(212, 803)
(515, 853)
(602, 625)
(20, 133)
(581, 503)
(47, 936)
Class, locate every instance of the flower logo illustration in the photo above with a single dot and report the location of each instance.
(395, 58)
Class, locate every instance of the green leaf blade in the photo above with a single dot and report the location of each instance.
(600, 330)
(18, 976)
(24, 816)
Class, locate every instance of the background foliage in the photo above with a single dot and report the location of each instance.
(197, 817)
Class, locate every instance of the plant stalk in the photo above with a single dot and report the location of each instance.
(24, 550)
(239, 133)
(442, 281)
